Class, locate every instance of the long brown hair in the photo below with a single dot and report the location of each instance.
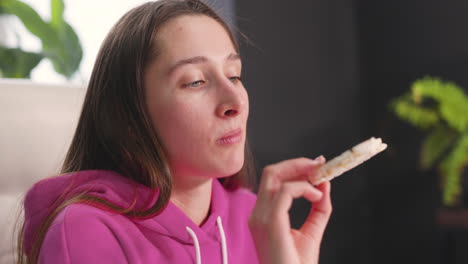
(114, 131)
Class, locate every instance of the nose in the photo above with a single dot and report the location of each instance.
(232, 99)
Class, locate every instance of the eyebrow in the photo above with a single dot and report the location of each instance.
(200, 60)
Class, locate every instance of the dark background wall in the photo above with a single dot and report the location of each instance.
(302, 76)
(400, 41)
(320, 74)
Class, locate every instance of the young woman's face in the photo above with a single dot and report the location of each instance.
(196, 100)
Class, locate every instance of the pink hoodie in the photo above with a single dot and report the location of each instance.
(83, 233)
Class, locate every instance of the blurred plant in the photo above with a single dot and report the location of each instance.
(441, 109)
(60, 44)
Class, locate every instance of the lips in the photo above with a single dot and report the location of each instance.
(231, 137)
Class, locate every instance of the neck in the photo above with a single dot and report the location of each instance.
(193, 199)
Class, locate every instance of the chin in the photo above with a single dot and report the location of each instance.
(234, 167)
(229, 168)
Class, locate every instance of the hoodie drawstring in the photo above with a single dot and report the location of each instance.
(197, 244)
(223, 240)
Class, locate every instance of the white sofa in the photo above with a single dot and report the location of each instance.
(37, 122)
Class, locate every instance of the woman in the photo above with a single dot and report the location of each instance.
(157, 169)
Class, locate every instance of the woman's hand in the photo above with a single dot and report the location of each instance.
(276, 242)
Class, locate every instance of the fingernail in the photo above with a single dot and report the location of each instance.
(320, 158)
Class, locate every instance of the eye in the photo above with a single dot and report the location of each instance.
(235, 79)
(194, 84)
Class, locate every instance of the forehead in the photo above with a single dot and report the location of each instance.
(193, 35)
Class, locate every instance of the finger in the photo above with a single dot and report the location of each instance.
(287, 170)
(320, 213)
(291, 190)
(312, 174)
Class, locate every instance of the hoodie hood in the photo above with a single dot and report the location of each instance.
(46, 195)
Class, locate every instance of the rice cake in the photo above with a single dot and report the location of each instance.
(348, 160)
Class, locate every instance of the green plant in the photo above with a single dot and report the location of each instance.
(60, 44)
(441, 110)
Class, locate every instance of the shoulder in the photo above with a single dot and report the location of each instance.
(82, 234)
(83, 216)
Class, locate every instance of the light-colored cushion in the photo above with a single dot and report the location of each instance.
(36, 128)
(10, 212)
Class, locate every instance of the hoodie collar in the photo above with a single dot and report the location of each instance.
(173, 221)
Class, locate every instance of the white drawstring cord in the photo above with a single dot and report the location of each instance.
(223, 240)
(195, 242)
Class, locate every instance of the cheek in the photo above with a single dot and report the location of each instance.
(169, 120)
(180, 125)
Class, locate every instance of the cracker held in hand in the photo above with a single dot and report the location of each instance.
(348, 160)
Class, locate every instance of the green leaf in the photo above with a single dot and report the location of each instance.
(67, 54)
(31, 20)
(60, 43)
(415, 114)
(443, 92)
(435, 144)
(456, 114)
(16, 63)
(452, 101)
(449, 132)
(57, 8)
(452, 168)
